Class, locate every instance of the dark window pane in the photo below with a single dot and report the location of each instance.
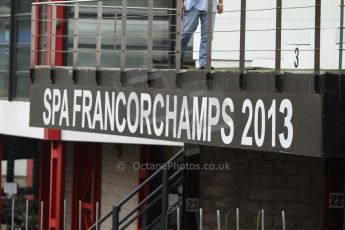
(23, 58)
(3, 85)
(24, 6)
(4, 31)
(23, 30)
(23, 86)
(4, 59)
(5, 7)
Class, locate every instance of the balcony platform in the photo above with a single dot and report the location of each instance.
(260, 100)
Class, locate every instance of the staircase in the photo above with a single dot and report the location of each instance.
(153, 211)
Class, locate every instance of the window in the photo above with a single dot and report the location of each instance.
(5, 13)
(136, 55)
(20, 170)
(22, 44)
(15, 37)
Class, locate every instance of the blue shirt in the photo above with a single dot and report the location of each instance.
(199, 5)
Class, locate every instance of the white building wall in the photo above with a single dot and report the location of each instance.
(226, 44)
(116, 184)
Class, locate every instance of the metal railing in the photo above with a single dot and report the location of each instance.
(19, 213)
(169, 178)
(161, 48)
(23, 214)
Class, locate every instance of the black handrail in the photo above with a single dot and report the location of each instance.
(128, 197)
(141, 211)
(137, 189)
(141, 204)
(150, 196)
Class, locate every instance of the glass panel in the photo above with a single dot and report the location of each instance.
(23, 30)
(3, 85)
(23, 86)
(131, 3)
(24, 6)
(3, 172)
(4, 31)
(4, 58)
(20, 172)
(23, 58)
(5, 7)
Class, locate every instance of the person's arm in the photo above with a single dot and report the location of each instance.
(220, 6)
(183, 7)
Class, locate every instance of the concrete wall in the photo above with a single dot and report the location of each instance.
(226, 45)
(116, 183)
(269, 181)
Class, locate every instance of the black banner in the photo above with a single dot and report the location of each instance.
(270, 122)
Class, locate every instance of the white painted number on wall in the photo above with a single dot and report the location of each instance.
(336, 200)
(259, 116)
(192, 205)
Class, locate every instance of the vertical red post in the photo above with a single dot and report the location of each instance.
(57, 185)
(44, 181)
(87, 173)
(1, 152)
(54, 134)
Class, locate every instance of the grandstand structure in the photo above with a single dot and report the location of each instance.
(103, 126)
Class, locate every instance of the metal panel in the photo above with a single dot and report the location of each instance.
(178, 37)
(317, 37)
(209, 34)
(76, 35)
(33, 36)
(53, 36)
(304, 128)
(123, 35)
(150, 36)
(341, 37)
(243, 36)
(341, 45)
(99, 35)
(278, 36)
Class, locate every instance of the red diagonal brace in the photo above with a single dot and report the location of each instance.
(57, 185)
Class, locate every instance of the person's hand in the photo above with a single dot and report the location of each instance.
(220, 8)
(183, 8)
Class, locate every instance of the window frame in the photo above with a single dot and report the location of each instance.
(12, 71)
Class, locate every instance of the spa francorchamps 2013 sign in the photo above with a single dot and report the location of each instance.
(269, 122)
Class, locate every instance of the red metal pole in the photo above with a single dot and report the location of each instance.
(57, 185)
(1, 152)
(44, 189)
(86, 182)
(54, 134)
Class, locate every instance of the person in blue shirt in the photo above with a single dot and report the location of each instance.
(193, 12)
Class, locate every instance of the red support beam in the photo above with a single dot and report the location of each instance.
(30, 173)
(57, 185)
(1, 152)
(44, 184)
(87, 175)
(54, 134)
